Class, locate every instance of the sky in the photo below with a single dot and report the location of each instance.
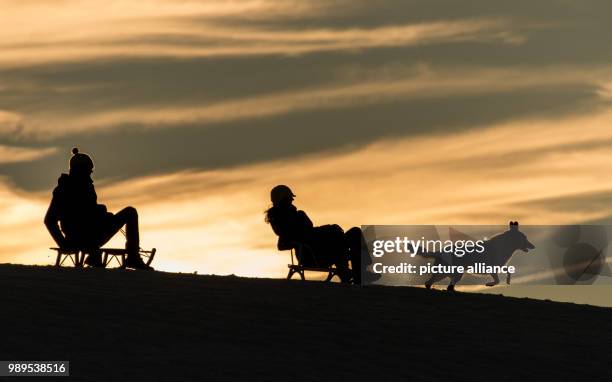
(374, 112)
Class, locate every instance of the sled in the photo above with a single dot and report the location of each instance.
(78, 256)
(303, 259)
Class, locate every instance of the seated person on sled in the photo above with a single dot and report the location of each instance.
(330, 244)
(84, 223)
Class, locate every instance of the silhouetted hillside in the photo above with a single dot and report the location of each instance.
(118, 325)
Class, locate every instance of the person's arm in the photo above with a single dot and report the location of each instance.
(52, 223)
(304, 221)
(101, 210)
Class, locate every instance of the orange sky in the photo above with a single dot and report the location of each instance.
(388, 114)
(212, 221)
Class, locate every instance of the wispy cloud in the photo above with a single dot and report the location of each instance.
(361, 89)
(214, 41)
(212, 221)
(88, 30)
(11, 123)
(88, 69)
(13, 154)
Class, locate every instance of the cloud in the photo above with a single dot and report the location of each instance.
(235, 42)
(10, 125)
(362, 88)
(77, 29)
(101, 72)
(462, 172)
(10, 122)
(212, 221)
(11, 154)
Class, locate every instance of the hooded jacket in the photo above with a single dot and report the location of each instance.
(290, 224)
(74, 206)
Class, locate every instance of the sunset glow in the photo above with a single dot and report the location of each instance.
(193, 110)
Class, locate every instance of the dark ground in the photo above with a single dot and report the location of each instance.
(115, 325)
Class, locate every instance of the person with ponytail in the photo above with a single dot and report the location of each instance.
(330, 243)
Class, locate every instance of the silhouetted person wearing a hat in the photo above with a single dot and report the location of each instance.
(329, 242)
(85, 224)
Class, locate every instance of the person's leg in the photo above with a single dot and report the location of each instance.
(94, 258)
(337, 244)
(88, 240)
(127, 217)
(354, 240)
(328, 241)
(114, 222)
(341, 261)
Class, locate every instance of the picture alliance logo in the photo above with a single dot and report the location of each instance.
(411, 247)
(557, 255)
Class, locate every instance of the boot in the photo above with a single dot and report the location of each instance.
(94, 259)
(135, 262)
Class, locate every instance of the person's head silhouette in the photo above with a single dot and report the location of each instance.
(281, 195)
(80, 164)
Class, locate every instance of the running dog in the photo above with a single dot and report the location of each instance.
(497, 252)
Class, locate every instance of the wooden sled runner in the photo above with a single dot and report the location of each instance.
(306, 260)
(78, 256)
